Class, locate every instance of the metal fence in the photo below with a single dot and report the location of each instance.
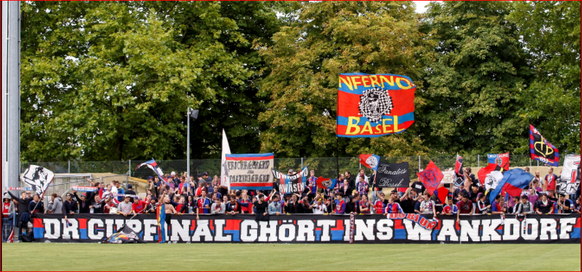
(326, 167)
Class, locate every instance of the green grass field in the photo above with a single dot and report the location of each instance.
(237, 257)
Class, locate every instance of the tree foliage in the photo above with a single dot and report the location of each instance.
(113, 80)
(476, 79)
(304, 62)
(551, 36)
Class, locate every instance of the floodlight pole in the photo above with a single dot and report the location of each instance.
(188, 147)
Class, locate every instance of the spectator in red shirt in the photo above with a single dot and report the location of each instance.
(139, 206)
(550, 181)
(465, 206)
(380, 204)
(340, 206)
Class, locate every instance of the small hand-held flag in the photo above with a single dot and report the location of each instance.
(370, 161)
(431, 177)
(325, 183)
(152, 164)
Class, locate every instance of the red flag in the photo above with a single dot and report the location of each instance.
(431, 177)
(325, 183)
(482, 174)
(442, 194)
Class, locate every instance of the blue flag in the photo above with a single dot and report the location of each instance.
(512, 183)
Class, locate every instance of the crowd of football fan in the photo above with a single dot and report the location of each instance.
(357, 194)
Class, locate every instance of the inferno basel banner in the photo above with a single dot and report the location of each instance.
(309, 228)
(374, 105)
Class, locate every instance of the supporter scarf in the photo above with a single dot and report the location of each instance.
(428, 224)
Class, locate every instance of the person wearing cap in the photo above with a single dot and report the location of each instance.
(138, 206)
(55, 205)
(206, 178)
(482, 207)
(7, 216)
(130, 192)
(83, 202)
(174, 180)
(70, 205)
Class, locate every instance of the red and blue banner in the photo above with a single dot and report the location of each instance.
(541, 149)
(250, 171)
(513, 183)
(161, 220)
(374, 105)
(431, 177)
(312, 228)
(501, 160)
(370, 161)
(152, 164)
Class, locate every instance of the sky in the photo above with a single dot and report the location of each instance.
(421, 6)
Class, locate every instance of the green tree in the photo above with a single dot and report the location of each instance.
(474, 83)
(551, 36)
(303, 66)
(112, 81)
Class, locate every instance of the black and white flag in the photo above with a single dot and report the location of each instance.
(38, 177)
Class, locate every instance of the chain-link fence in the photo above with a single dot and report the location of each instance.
(326, 167)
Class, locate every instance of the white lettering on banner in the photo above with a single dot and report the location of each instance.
(470, 230)
(248, 231)
(52, 228)
(72, 231)
(308, 228)
(531, 229)
(150, 229)
(92, 233)
(325, 229)
(448, 230)
(268, 231)
(489, 230)
(110, 223)
(287, 231)
(202, 230)
(385, 231)
(566, 225)
(364, 230)
(305, 230)
(179, 230)
(548, 226)
(511, 230)
(219, 236)
(416, 232)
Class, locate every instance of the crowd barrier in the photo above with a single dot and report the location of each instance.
(308, 228)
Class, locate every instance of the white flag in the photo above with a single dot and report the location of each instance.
(225, 150)
(38, 177)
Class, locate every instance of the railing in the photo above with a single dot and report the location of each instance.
(326, 167)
